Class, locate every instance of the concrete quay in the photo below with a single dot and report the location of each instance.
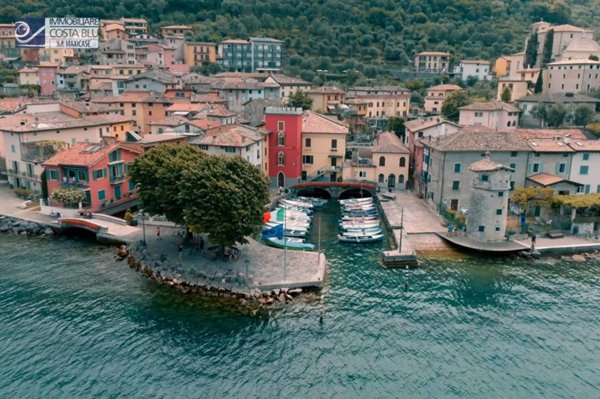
(419, 225)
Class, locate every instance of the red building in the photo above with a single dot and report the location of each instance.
(99, 170)
(47, 77)
(285, 145)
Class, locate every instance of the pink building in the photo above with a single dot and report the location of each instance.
(47, 77)
(99, 170)
(285, 145)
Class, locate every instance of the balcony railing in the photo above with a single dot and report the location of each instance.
(117, 179)
(75, 184)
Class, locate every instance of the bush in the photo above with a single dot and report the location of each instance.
(23, 192)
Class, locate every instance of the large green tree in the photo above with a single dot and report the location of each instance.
(556, 115)
(299, 99)
(583, 115)
(224, 197)
(453, 102)
(396, 124)
(539, 84)
(159, 173)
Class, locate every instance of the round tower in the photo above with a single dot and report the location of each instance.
(488, 205)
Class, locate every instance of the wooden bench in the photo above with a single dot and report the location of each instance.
(555, 234)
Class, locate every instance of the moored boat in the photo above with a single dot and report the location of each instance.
(290, 243)
(360, 239)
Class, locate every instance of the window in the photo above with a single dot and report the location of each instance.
(536, 168)
(498, 211)
(478, 114)
(513, 166)
(587, 188)
(455, 185)
(114, 156)
(149, 113)
(583, 170)
(586, 156)
(381, 161)
(334, 144)
(12, 148)
(53, 174)
(402, 162)
(230, 150)
(598, 188)
(280, 126)
(308, 142)
(203, 147)
(485, 178)
(280, 159)
(481, 229)
(99, 174)
(307, 159)
(512, 185)
(500, 193)
(513, 154)
(281, 139)
(457, 168)
(497, 229)
(362, 173)
(101, 195)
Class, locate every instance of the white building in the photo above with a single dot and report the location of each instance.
(479, 69)
(571, 76)
(235, 140)
(492, 114)
(585, 164)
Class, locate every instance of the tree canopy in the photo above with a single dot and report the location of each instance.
(221, 196)
(300, 99)
(453, 102)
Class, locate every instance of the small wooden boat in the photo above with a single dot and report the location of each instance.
(299, 204)
(289, 225)
(365, 225)
(290, 243)
(356, 201)
(360, 239)
(368, 231)
(317, 202)
(359, 219)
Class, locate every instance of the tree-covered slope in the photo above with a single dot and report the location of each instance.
(342, 35)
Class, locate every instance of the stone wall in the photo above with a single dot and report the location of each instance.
(24, 227)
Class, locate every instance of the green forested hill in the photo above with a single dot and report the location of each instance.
(365, 35)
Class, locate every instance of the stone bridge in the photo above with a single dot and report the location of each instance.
(347, 189)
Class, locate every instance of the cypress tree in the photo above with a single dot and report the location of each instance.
(548, 44)
(539, 84)
(531, 51)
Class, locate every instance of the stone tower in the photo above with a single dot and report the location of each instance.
(488, 205)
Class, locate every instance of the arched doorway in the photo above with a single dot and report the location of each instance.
(400, 179)
(391, 181)
(280, 179)
(381, 178)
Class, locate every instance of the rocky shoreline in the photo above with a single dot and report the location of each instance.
(24, 228)
(224, 284)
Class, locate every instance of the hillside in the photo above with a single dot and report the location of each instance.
(335, 35)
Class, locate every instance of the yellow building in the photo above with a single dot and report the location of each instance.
(517, 88)
(323, 146)
(326, 98)
(501, 66)
(61, 56)
(386, 162)
(127, 70)
(436, 96)
(28, 76)
(385, 105)
(199, 53)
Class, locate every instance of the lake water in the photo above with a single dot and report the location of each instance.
(76, 323)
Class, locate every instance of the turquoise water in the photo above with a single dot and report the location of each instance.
(76, 323)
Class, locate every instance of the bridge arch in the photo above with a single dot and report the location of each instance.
(314, 192)
(334, 189)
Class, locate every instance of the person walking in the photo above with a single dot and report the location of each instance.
(180, 249)
(158, 232)
(533, 239)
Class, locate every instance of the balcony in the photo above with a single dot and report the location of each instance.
(334, 149)
(75, 184)
(117, 179)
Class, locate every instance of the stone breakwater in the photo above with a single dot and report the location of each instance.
(24, 227)
(226, 283)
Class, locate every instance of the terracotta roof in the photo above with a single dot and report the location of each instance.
(574, 134)
(566, 28)
(212, 97)
(551, 98)
(433, 53)
(11, 104)
(326, 90)
(583, 44)
(389, 143)
(549, 145)
(574, 62)
(487, 165)
(28, 70)
(419, 124)
(56, 121)
(380, 88)
(176, 27)
(484, 62)
(445, 87)
(185, 107)
(383, 96)
(490, 106)
(173, 120)
(547, 179)
(478, 140)
(288, 80)
(229, 136)
(159, 138)
(83, 154)
(265, 39)
(236, 41)
(585, 145)
(316, 123)
(156, 74)
(136, 97)
(204, 123)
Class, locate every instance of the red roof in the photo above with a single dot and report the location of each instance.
(84, 154)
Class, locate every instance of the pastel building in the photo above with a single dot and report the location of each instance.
(492, 114)
(100, 170)
(479, 69)
(436, 96)
(432, 61)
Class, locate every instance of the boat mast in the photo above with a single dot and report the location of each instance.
(284, 245)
